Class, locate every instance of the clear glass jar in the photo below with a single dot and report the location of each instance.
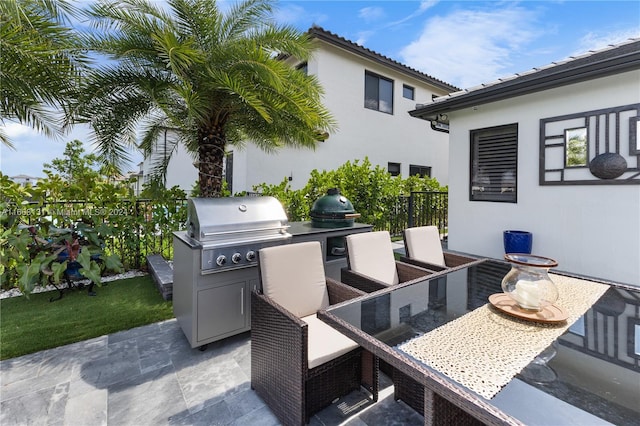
(528, 281)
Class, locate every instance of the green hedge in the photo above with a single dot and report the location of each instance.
(374, 193)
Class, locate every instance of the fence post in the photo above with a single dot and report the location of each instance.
(410, 221)
(137, 212)
(444, 216)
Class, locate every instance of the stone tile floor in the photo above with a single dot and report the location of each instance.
(150, 376)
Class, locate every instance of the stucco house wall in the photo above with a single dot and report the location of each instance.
(24, 180)
(361, 132)
(592, 230)
(180, 170)
(340, 66)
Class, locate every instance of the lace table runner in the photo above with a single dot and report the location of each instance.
(483, 350)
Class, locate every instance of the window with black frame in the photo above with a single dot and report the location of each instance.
(494, 164)
(304, 68)
(421, 171)
(378, 93)
(408, 92)
(393, 168)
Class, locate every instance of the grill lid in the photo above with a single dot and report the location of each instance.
(332, 210)
(333, 204)
(236, 219)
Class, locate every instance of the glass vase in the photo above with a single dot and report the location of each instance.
(528, 281)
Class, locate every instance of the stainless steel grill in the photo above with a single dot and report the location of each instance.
(231, 230)
(215, 261)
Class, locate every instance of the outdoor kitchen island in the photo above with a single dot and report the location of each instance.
(332, 241)
(211, 304)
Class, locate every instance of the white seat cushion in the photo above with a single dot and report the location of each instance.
(423, 244)
(371, 254)
(293, 276)
(325, 342)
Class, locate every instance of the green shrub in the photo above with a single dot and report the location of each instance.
(373, 192)
(81, 202)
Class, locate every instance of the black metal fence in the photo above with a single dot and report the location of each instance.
(137, 227)
(419, 209)
(144, 227)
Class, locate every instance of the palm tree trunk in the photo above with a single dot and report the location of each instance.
(211, 157)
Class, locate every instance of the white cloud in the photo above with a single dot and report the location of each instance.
(424, 6)
(468, 47)
(599, 40)
(13, 130)
(292, 14)
(371, 13)
(289, 14)
(363, 36)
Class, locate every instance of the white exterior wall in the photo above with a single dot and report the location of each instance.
(361, 132)
(24, 180)
(180, 171)
(592, 230)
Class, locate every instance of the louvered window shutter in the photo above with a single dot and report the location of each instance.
(494, 164)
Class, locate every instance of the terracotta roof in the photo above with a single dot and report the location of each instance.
(324, 35)
(613, 59)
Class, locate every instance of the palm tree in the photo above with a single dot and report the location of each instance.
(209, 78)
(40, 63)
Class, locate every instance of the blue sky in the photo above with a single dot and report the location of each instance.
(464, 43)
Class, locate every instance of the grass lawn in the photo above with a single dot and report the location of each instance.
(31, 325)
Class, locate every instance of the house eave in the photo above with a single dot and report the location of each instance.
(328, 37)
(524, 86)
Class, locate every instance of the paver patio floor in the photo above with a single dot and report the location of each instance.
(150, 376)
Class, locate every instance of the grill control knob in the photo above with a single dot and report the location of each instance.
(251, 256)
(221, 260)
(236, 258)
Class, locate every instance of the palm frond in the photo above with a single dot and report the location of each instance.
(204, 74)
(244, 17)
(4, 139)
(40, 62)
(200, 19)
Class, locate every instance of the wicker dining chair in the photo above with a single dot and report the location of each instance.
(371, 264)
(300, 364)
(424, 249)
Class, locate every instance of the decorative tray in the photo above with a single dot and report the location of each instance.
(506, 304)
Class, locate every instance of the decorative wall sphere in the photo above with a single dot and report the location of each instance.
(608, 166)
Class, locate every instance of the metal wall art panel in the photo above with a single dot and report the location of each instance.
(600, 147)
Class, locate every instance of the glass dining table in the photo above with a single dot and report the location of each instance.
(457, 359)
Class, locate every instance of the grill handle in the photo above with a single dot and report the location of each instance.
(244, 231)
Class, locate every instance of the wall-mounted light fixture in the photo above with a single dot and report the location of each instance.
(440, 123)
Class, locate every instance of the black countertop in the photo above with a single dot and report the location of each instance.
(306, 228)
(296, 229)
